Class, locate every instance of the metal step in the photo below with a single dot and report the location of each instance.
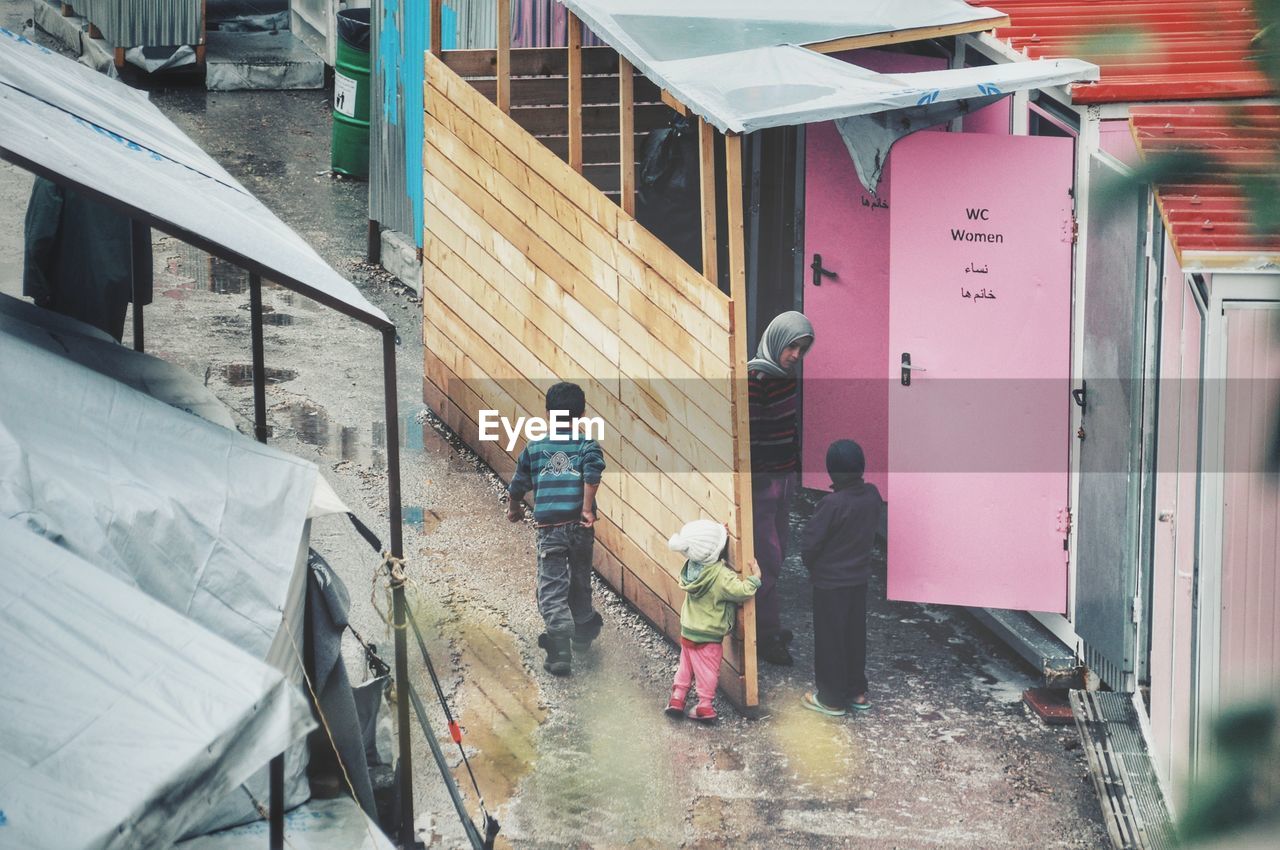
(1133, 806)
(1029, 638)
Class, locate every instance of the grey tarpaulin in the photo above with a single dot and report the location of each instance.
(121, 721)
(98, 134)
(736, 63)
(328, 603)
(868, 138)
(196, 516)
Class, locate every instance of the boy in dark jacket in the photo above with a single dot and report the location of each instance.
(836, 546)
(563, 473)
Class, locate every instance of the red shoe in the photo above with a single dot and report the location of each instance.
(675, 707)
(705, 714)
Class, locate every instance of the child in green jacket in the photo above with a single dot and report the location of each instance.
(712, 594)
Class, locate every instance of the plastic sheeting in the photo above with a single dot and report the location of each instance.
(76, 126)
(121, 721)
(94, 349)
(735, 63)
(336, 824)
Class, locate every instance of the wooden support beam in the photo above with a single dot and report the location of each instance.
(504, 55)
(627, 136)
(67, 11)
(707, 181)
(575, 93)
(877, 39)
(118, 57)
(437, 24)
(741, 414)
(670, 100)
(94, 32)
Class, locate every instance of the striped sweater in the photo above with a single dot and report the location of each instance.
(773, 405)
(555, 471)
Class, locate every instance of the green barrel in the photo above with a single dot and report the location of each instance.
(350, 155)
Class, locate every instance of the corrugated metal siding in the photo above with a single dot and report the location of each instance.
(395, 110)
(1147, 49)
(401, 32)
(146, 23)
(1206, 211)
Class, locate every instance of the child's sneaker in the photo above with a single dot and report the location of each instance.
(675, 706)
(705, 714)
(559, 655)
(585, 633)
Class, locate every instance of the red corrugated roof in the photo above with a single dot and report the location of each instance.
(1147, 49)
(1205, 211)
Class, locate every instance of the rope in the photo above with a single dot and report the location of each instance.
(396, 576)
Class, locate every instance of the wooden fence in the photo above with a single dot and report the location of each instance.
(532, 275)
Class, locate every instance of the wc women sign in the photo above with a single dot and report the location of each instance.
(979, 368)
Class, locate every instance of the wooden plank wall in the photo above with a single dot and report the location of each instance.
(532, 275)
(540, 97)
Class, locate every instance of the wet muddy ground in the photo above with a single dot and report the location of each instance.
(947, 757)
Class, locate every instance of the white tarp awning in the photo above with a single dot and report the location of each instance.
(76, 126)
(121, 721)
(197, 516)
(736, 63)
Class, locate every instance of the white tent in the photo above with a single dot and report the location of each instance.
(196, 516)
(743, 65)
(107, 140)
(122, 722)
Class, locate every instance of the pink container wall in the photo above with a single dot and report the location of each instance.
(844, 388)
(1250, 625)
(1173, 560)
(1116, 138)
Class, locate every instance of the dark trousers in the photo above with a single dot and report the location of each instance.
(564, 576)
(840, 643)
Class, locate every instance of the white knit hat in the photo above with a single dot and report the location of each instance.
(701, 541)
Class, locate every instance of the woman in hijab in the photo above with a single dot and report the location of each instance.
(775, 459)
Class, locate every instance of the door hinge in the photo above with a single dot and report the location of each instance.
(1137, 610)
(1075, 229)
(1064, 528)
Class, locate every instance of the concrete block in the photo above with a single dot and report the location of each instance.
(400, 257)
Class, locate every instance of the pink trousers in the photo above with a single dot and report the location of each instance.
(700, 662)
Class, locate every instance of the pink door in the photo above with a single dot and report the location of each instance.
(980, 307)
(844, 392)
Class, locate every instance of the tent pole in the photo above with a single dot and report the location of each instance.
(399, 605)
(141, 273)
(574, 42)
(277, 802)
(259, 369)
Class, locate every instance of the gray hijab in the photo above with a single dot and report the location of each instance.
(785, 329)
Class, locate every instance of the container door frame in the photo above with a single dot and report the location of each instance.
(1237, 291)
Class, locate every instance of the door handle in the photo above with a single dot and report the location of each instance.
(1080, 396)
(819, 272)
(907, 369)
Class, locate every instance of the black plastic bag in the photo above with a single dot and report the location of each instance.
(667, 197)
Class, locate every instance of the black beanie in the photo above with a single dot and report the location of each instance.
(845, 463)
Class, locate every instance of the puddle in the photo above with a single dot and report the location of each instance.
(366, 446)
(606, 767)
(819, 750)
(278, 319)
(241, 374)
(500, 712)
